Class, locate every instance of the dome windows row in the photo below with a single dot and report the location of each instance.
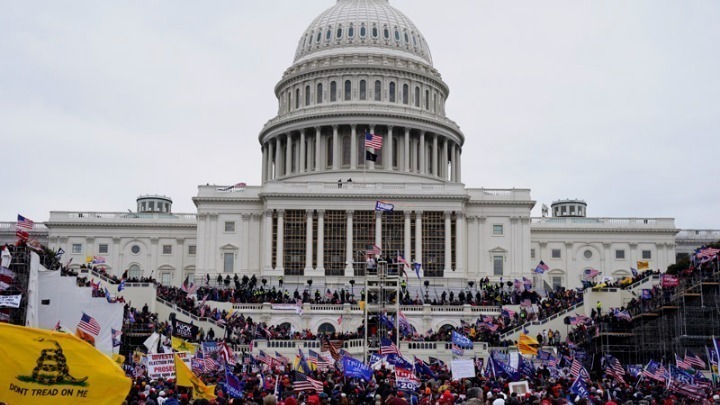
(390, 91)
(387, 34)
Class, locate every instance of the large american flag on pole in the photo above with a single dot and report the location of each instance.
(25, 223)
(373, 141)
(303, 383)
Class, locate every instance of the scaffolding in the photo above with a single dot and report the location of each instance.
(20, 266)
(686, 319)
(382, 295)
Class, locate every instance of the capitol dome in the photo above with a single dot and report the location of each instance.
(363, 25)
(362, 69)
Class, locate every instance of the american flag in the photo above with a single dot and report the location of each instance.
(387, 346)
(655, 371)
(25, 223)
(681, 363)
(614, 369)
(89, 324)
(694, 360)
(319, 361)
(282, 359)
(373, 141)
(373, 250)
(692, 391)
(577, 369)
(227, 354)
(304, 383)
(327, 345)
(264, 358)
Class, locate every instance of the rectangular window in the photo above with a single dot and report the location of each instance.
(620, 254)
(532, 253)
(498, 265)
(556, 254)
(647, 254)
(76, 248)
(556, 282)
(166, 278)
(103, 248)
(498, 230)
(228, 262)
(167, 249)
(229, 226)
(192, 249)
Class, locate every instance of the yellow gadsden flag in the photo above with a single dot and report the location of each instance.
(183, 346)
(644, 265)
(46, 367)
(186, 378)
(527, 345)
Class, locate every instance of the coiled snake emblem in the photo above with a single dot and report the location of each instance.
(52, 366)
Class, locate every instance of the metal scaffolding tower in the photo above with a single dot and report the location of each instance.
(382, 297)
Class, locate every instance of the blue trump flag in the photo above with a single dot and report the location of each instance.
(579, 387)
(233, 385)
(384, 206)
(356, 368)
(398, 361)
(461, 341)
(422, 368)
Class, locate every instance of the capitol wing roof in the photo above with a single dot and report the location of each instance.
(362, 25)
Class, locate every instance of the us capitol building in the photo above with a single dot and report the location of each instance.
(361, 67)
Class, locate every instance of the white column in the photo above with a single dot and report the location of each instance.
(349, 270)
(418, 236)
(308, 241)
(335, 154)
(458, 166)
(421, 152)
(267, 265)
(321, 241)
(378, 228)
(444, 159)
(278, 157)
(435, 169)
(318, 157)
(388, 158)
(453, 162)
(406, 154)
(245, 248)
(270, 162)
(288, 154)
(353, 147)
(448, 246)
(460, 242)
(301, 164)
(279, 250)
(263, 177)
(407, 247)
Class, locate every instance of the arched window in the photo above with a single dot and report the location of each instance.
(446, 328)
(363, 90)
(307, 96)
(391, 95)
(339, 32)
(417, 97)
(348, 90)
(333, 91)
(328, 34)
(319, 93)
(135, 272)
(310, 40)
(329, 151)
(378, 90)
(285, 326)
(326, 328)
(397, 35)
(362, 31)
(319, 37)
(427, 99)
(351, 31)
(297, 98)
(386, 33)
(414, 41)
(407, 41)
(293, 159)
(405, 92)
(375, 31)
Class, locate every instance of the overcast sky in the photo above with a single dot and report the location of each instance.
(613, 102)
